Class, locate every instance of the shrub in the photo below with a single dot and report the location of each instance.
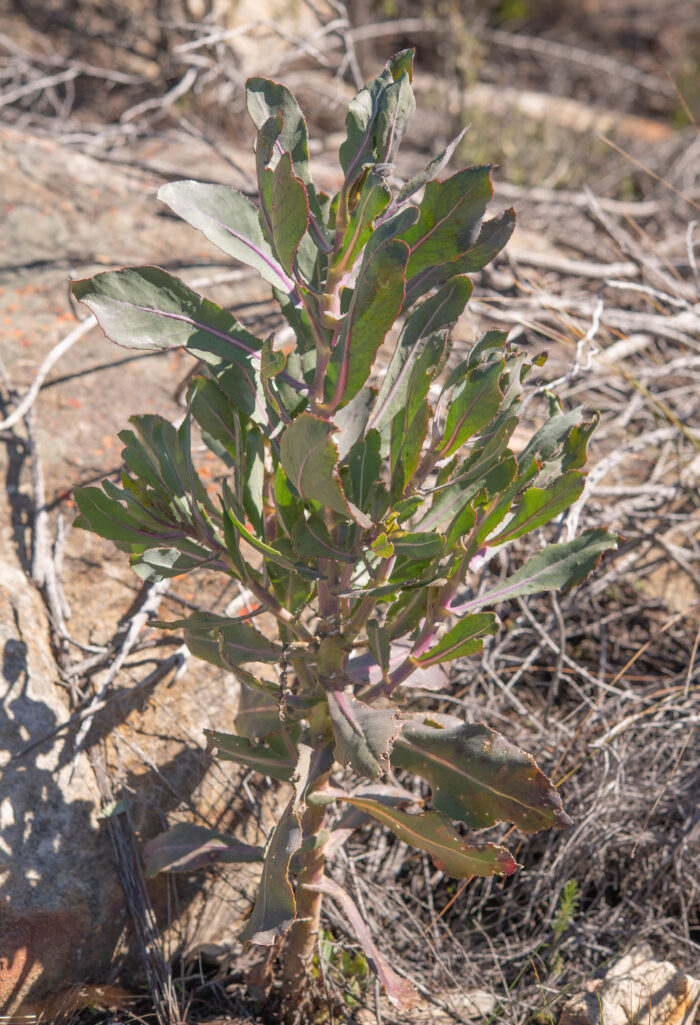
(360, 505)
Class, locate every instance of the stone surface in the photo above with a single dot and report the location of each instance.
(63, 917)
(637, 990)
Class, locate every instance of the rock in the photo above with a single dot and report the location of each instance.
(638, 989)
(63, 916)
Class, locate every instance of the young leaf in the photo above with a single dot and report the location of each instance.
(466, 638)
(433, 832)
(186, 847)
(477, 776)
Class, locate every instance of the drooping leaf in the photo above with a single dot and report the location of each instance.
(433, 832)
(275, 909)
(363, 734)
(240, 642)
(257, 715)
(400, 992)
(476, 775)
(465, 638)
(186, 847)
(230, 221)
(556, 566)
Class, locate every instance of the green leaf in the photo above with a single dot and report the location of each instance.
(374, 307)
(352, 419)
(556, 566)
(163, 563)
(273, 554)
(310, 460)
(109, 519)
(540, 505)
(418, 545)
(450, 218)
(465, 638)
(408, 431)
(423, 344)
(473, 404)
(186, 847)
(240, 642)
(492, 238)
(433, 832)
(230, 748)
(230, 221)
(147, 308)
(289, 211)
(364, 466)
(476, 775)
(363, 735)
(312, 541)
